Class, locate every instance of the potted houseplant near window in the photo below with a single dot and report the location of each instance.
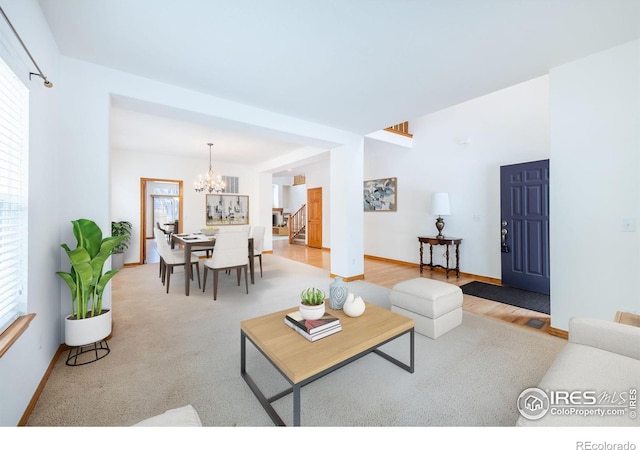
(88, 323)
(121, 228)
(312, 304)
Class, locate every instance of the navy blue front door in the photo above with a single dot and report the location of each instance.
(524, 206)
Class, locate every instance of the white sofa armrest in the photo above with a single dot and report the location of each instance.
(610, 336)
(185, 416)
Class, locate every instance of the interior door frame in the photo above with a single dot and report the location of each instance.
(143, 211)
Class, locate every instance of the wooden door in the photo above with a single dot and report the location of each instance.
(524, 228)
(314, 217)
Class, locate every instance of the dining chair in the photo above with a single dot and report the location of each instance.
(170, 258)
(158, 235)
(257, 233)
(229, 252)
(165, 231)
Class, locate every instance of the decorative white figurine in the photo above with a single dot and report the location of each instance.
(353, 306)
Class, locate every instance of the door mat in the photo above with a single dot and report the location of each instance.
(533, 301)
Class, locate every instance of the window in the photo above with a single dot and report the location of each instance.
(14, 162)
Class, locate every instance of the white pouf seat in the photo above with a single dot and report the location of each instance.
(434, 306)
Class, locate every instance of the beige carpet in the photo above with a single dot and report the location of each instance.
(169, 350)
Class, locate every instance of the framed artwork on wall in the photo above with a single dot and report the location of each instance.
(380, 195)
(227, 209)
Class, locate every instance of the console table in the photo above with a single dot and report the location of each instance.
(446, 241)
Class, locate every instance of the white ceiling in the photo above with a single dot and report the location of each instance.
(356, 65)
(139, 131)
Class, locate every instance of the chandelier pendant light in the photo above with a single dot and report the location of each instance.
(211, 183)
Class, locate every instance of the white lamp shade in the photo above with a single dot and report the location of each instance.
(440, 204)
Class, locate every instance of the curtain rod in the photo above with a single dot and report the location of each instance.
(47, 83)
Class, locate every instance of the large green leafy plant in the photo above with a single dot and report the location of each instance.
(85, 279)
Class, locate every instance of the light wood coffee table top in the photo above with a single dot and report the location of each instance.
(300, 359)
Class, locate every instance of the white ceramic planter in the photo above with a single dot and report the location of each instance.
(312, 312)
(117, 261)
(87, 331)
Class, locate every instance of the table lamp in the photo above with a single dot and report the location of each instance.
(440, 207)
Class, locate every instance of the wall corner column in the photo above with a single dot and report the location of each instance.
(347, 216)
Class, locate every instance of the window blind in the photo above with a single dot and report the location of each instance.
(14, 162)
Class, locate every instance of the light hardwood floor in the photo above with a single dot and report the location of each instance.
(388, 273)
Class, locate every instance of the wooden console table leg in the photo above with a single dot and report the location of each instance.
(447, 253)
(421, 265)
(457, 260)
(431, 256)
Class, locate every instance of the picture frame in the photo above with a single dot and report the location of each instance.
(226, 209)
(380, 194)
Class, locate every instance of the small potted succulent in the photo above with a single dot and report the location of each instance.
(312, 303)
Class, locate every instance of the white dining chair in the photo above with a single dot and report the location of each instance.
(229, 252)
(170, 258)
(257, 233)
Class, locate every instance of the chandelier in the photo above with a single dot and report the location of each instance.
(211, 183)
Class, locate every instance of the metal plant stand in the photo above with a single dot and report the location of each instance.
(94, 352)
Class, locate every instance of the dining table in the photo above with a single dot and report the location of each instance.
(190, 242)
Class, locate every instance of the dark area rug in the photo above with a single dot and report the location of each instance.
(508, 295)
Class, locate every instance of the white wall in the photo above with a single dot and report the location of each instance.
(298, 196)
(595, 167)
(283, 184)
(506, 127)
(291, 197)
(27, 360)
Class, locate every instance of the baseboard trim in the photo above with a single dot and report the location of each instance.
(347, 279)
(392, 261)
(497, 281)
(557, 332)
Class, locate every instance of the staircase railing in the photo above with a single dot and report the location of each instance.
(400, 128)
(297, 223)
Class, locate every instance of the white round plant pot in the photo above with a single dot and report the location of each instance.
(311, 312)
(87, 331)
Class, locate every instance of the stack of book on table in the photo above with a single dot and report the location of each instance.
(313, 329)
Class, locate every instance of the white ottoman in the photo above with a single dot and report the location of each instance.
(434, 306)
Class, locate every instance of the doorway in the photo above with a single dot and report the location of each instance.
(160, 202)
(524, 227)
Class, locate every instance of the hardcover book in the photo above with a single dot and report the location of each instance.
(314, 337)
(312, 326)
